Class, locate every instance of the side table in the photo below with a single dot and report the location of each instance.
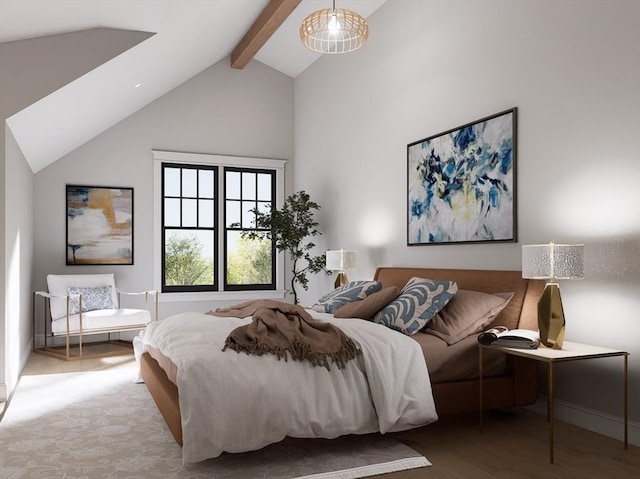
(570, 352)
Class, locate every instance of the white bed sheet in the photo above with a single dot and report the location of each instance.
(235, 402)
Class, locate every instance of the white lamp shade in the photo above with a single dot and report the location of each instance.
(553, 261)
(341, 259)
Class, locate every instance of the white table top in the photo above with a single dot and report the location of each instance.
(569, 352)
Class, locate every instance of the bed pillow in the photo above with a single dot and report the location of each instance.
(93, 298)
(369, 306)
(348, 293)
(417, 304)
(469, 312)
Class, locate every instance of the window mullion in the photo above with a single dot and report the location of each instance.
(221, 232)
(198, 198)
(181, 198)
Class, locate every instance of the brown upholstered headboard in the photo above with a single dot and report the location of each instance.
(521, 312)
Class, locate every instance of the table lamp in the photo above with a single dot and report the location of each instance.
(552, 262)
(341, 260)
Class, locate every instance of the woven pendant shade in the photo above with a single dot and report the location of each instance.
(334, 30)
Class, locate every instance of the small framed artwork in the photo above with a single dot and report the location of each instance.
(461, 184)
(99, 225)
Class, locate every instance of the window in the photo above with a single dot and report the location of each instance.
(189, 239)
(205, 207)
(249, 263)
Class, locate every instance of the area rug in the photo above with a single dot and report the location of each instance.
(102, 425)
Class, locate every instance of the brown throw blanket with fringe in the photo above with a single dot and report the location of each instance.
(286, 330)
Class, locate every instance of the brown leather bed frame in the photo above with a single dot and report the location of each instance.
(518, 386)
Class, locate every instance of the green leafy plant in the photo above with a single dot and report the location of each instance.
(250, 263)
(291, 229)
(185, 263)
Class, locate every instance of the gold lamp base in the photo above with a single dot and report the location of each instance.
(551, 321)
(341, 280)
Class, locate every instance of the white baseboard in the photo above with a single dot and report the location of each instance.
(5, 389)
(590, 419)
(26, 354)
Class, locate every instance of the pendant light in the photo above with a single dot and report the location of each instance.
(334, 30)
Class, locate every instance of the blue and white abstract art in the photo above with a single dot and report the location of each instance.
(461, 183)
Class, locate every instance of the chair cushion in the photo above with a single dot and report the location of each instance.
(97, 297)
(59, 284)
(102, 319)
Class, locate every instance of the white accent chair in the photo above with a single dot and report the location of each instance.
(78, 305)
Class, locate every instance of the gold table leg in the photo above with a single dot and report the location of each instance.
(480, 381)
(626, 409)
(550, 410)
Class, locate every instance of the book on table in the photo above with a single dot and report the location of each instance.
(510, 338)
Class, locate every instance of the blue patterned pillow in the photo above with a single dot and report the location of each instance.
(93, 298)
(348, 293)
(420, 300)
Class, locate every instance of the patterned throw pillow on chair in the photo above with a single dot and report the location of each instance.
(420, 300)
(93, 298)
(348, 293)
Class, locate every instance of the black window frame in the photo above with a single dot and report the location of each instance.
(226, 228)
(216, 223)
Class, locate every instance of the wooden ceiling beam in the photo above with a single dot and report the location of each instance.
(273, 15)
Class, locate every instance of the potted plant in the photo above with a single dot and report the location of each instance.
(291, 229)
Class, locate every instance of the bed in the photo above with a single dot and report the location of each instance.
(435, 375)
(509, 381)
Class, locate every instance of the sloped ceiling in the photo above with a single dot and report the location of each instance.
(148, 47)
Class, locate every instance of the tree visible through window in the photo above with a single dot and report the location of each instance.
(249, 262)
(185, 263)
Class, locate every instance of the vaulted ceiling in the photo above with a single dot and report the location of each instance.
(152, 47)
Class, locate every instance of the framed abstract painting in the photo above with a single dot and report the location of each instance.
(99, 225)
(461, 184)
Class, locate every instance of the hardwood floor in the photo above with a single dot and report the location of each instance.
(41, 364)
(513, 443)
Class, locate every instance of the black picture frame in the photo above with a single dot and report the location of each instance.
(99, 225)
(461, 184)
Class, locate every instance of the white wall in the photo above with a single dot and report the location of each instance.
(17, 254)
(219, 111)
(29, 70)
(4, 388)
(573, 70)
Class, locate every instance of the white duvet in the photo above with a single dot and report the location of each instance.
(235, 402)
